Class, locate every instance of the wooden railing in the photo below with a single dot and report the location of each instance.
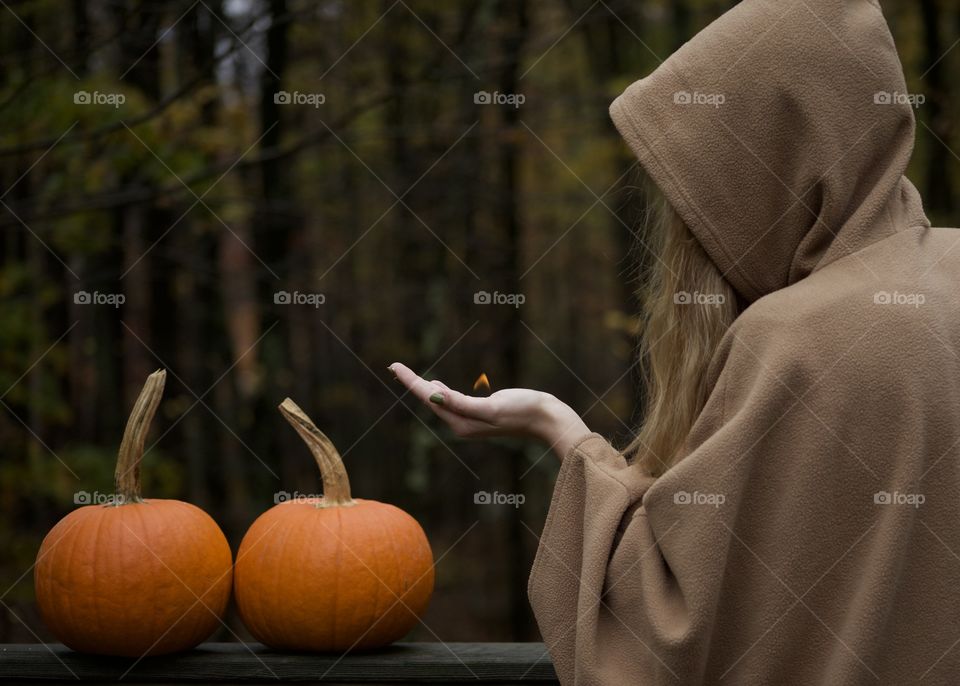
(226, 663)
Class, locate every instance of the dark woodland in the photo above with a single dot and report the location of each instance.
(274, 198)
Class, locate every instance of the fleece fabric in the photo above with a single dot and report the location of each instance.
(810, 534)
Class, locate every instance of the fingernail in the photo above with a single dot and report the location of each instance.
(437, 398)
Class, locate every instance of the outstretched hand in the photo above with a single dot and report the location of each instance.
(519, 412)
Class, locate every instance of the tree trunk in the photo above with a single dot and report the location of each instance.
(938, 198)
(512, 332)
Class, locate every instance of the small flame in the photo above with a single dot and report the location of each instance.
(482, 383)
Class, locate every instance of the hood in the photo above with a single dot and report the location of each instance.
(780, 134)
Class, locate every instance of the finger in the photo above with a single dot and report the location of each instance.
(420, 388)
(463, 427)
(438, 393)
(469, 406)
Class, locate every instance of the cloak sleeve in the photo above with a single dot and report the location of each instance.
(632, 572)
(594, 491)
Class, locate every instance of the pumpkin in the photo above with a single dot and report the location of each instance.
(331, 573)
(134, 577)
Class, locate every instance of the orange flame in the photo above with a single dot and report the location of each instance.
(482, 383)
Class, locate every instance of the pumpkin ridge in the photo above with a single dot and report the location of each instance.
(271, 595)
(57, 586)
(192, 622)
(96, 573)
(398, 570)
(167, 558)
(255, 604)
(416, 540)
(337, 573)
(54, 583)
(279, 570)
(290, 634)
(225, 578)
(228, 575)
(261, 601)
(78, 551)
(245, 616)
(210, 580)
(136, 512)
(376, 597)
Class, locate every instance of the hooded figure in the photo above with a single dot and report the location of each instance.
(810, 531)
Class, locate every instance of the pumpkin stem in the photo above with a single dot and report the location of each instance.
(127, 476)
(336, 484)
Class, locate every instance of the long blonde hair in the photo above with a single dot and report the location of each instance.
(686, 307)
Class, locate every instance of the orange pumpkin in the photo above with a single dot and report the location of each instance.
(332, 573)
(134, 577)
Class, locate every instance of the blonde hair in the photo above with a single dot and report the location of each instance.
(686, 307)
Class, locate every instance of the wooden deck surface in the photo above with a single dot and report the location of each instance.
(224, 663)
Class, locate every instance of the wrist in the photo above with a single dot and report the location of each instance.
(560, 426)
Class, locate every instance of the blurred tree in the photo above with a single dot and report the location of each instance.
(203, 194)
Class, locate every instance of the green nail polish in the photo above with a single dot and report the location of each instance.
(437, 398)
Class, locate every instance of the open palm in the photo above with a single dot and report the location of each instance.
(520, 412)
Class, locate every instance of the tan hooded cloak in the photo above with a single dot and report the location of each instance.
(811, 533)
